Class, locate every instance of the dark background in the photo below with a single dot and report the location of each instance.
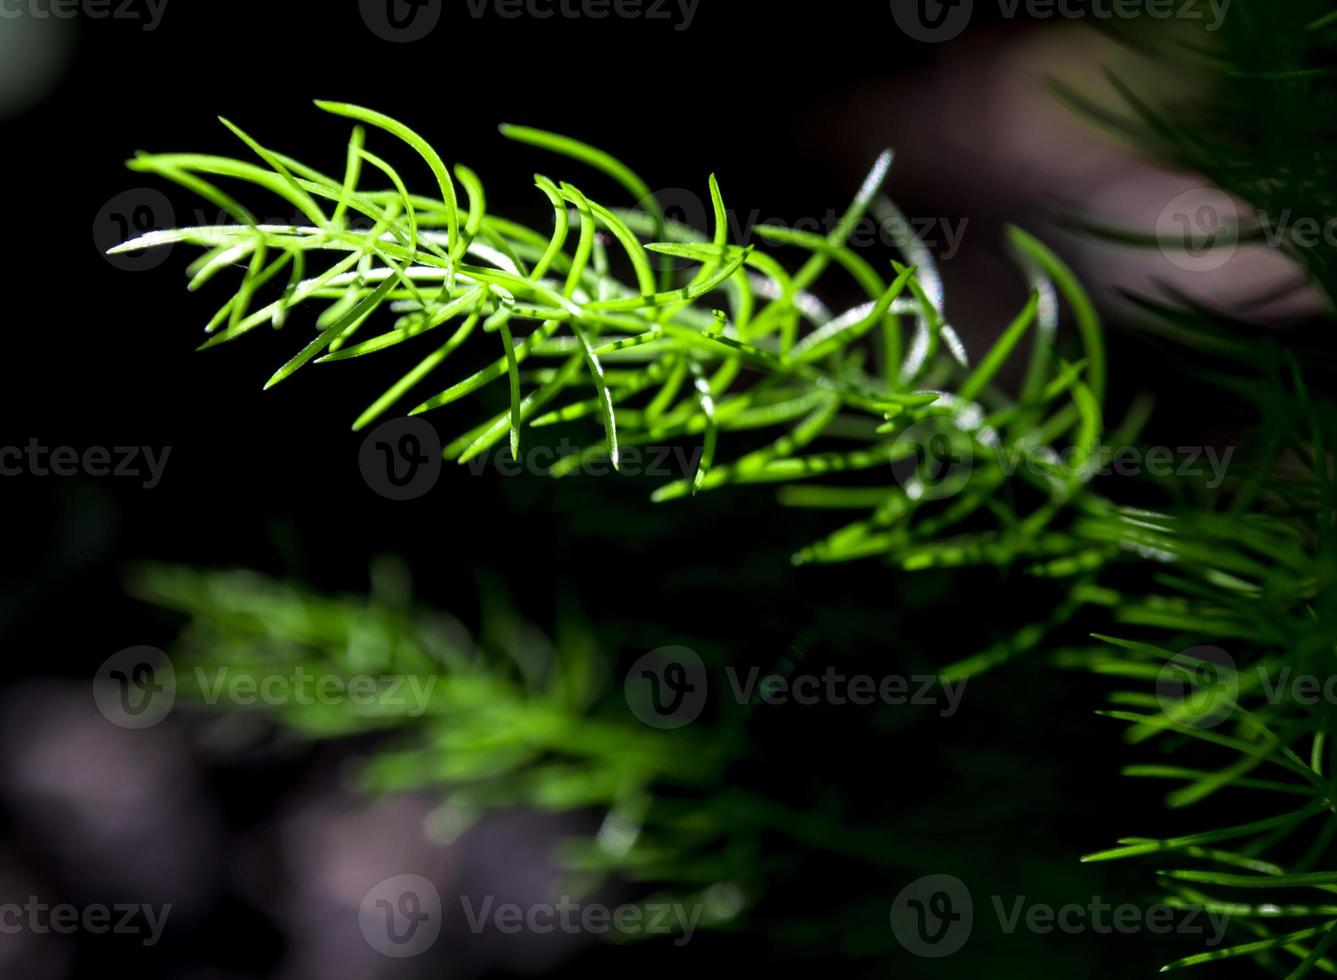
(773, 99)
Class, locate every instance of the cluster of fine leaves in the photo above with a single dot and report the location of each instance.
(1226, 664)
(644, 332)
(649, 332)
(510, 718)
(1246, 732)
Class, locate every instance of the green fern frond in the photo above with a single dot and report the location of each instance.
(719, 352)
